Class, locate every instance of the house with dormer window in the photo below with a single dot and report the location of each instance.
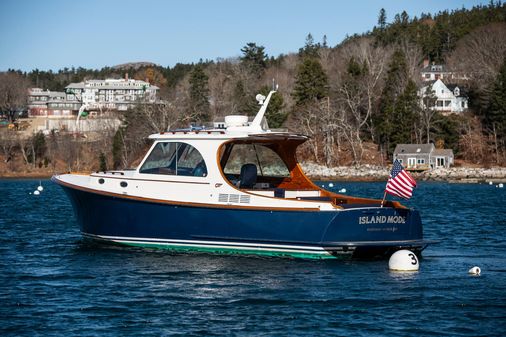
(434, 72)
(422, 157)
(449, 98)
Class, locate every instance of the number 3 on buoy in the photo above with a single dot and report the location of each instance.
(414, 260)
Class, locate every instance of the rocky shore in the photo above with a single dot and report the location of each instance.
(379, 173)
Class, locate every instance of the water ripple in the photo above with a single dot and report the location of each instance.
(52, 282)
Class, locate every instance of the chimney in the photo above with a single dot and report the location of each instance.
(126, 76)
(426, 62)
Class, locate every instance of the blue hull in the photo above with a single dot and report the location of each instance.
(357, 232)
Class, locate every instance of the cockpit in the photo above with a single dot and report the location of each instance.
(266, 167)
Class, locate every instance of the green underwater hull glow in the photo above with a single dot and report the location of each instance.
(231, 251)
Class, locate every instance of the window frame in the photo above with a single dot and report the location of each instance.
(175, 155)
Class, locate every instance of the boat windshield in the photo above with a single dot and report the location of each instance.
(174, 158)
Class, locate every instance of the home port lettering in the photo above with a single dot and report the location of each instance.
(365, 220)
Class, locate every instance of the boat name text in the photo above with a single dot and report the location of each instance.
(365, 220)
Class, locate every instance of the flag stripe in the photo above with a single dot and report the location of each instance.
(400, 183)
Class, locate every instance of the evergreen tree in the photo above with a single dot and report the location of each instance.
(117, 147)
(254, 58)
(495, 116)
(311, 82)
(102, 162)
(386, 121)
(382, 19)
(404, 115)
(199, 94)
(244, 104)
(310, 49)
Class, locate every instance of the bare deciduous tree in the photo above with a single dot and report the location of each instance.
(13, 92)
(358, 94)
(480, 54)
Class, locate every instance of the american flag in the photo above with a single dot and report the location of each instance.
(400, 182)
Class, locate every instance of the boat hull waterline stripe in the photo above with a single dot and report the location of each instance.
(233, 247)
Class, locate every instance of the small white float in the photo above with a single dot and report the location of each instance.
(476, 271)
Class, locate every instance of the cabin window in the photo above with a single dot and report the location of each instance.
(175, 158)
(268, 162)
(421, 161)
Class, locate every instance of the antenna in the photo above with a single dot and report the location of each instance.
(257, 122)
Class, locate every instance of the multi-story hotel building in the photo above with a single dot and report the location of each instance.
(96, 95)
(112, 94)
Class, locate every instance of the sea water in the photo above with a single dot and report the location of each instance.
(54, 283)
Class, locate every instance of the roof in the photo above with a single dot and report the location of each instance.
(462, 91)
(113, 84)
(110, 87)
(208, 134)
(47, 93)
(413, 148)
(443, 152)
(435, 68)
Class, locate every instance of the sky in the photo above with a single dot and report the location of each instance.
(54, 34)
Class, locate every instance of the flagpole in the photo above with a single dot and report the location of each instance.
(384, 196)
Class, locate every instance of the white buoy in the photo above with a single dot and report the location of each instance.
(501, 185)
(490, 183)
(475, 271)
(36, 192)
(342, 190)
(40, 188)
(331, 185)
(403, 260)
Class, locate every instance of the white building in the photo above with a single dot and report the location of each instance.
(434, 72)
(112, 94)
(449, 99)
(45, 103)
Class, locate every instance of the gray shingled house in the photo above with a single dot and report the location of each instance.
(421, 157)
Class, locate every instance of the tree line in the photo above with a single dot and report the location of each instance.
(356, 100)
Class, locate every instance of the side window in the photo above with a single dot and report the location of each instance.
(173, 158)
(190, 161)
(161, 160)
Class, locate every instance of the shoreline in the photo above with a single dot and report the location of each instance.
(363, 173)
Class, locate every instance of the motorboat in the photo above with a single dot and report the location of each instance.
(238, 188)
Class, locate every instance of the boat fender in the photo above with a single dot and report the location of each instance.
(36, 192)
(475, 271)
(403, 260)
